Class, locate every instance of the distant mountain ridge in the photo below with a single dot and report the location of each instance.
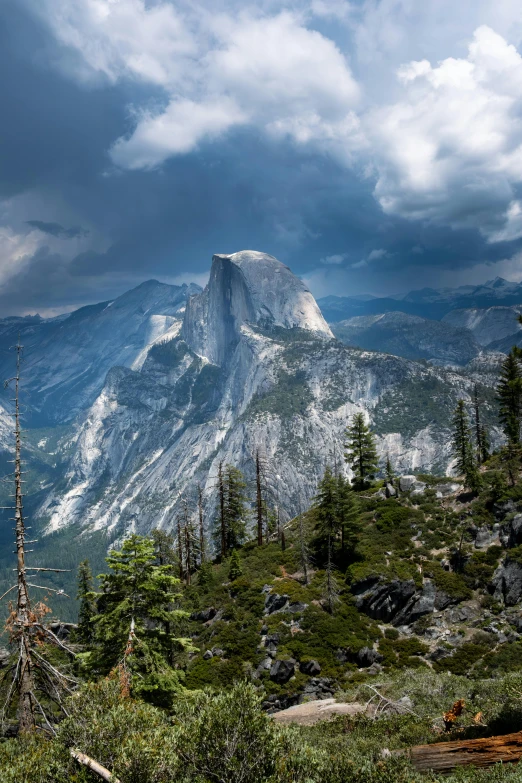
(428, 303)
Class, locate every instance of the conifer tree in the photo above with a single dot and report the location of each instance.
(389, 475)
(463, 448)
(235, 507)
(235, 570)
(326, 505)
(485, 445)
(164, 547)
(509, 394)
(135, 614)
(86, 597)
(347, 513)
(360, 451)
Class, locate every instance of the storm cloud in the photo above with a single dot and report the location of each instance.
(371, 146)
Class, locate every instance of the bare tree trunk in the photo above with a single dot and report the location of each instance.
(187, 553)
(94, 766)
(443, 757)
(23, 606)
(180, 551)
(478, 428)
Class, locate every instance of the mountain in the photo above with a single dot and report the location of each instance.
(410, 336)
(254, 366)
(491, 326)
(67, 358)
(430, 303)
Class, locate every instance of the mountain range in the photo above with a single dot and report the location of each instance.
(132, 404)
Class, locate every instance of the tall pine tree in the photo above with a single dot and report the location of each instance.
(509, 394)
(347, 513)
(360, 451)
(463, 448)
(87, 599)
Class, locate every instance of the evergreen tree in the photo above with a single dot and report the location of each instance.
(389, 475)
(326, 505)
(135, 614)
(87, 599)
(236, 510)
(235, 571)
(360, 451)
(205, 574)
(463, 448)
(164, 547)
(509, 394)
(347, 513)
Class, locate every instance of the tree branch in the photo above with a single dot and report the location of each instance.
(93, 765)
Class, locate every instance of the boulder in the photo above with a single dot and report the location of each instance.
(501, 510)
(275, 603)
(207, 655)
(444, 490)
(311, 668)
(483, 538)
(217, 652)
(406, 483)
(317, 688)
(296, 607)
(272, 641)
(367, 656)
(390, 490)
(282, 671)
(507, 582)
(398, 602)
(205, 615)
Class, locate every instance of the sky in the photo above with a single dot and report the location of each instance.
(374, 146)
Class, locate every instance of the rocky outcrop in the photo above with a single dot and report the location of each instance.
(398, 602)
(282, 671)
(506, 583)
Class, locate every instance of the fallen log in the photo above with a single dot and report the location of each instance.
(93, 765)
(445, 756)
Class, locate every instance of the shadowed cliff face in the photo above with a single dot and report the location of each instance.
(247, 288)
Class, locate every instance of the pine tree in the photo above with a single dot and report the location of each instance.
(463, 449)
(164, 547)
(509, 394)
(235, 507)
(135, 609)
(360, 451)
(235, 570)
(326, 505)
(347, 513)
(86, 597)
(389, 475)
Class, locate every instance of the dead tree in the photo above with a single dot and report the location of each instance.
(444, 757)
(26, 624)
(222, 514)
(302, 549)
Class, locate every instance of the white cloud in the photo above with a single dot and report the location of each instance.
(16, 251)
(451, 149)
(374, 255)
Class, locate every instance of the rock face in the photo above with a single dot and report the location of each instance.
(398, 602)
(281, 671)
(254, 366)
(488, 325)
(247, 288)
(507, 582)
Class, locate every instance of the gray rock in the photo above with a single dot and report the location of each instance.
(366, 657)
(406, 483)
(391, 492)
(483, 538)
(383, 601)
(440, 652)
(515, 531)
(275, 603)
(501, 510)
(343, 656)
(296, 607)
(444, 490)
(205, 615)
(282, 671)
(217, 652)
(311, 668)
(507, 582)
(207, 655)
(4, 657)
(318, 687)
(374, 669)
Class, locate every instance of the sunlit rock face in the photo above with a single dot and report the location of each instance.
(247, 288)
(254, 366)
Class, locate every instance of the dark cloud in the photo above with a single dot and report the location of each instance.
(242, 192)
(56, 230)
